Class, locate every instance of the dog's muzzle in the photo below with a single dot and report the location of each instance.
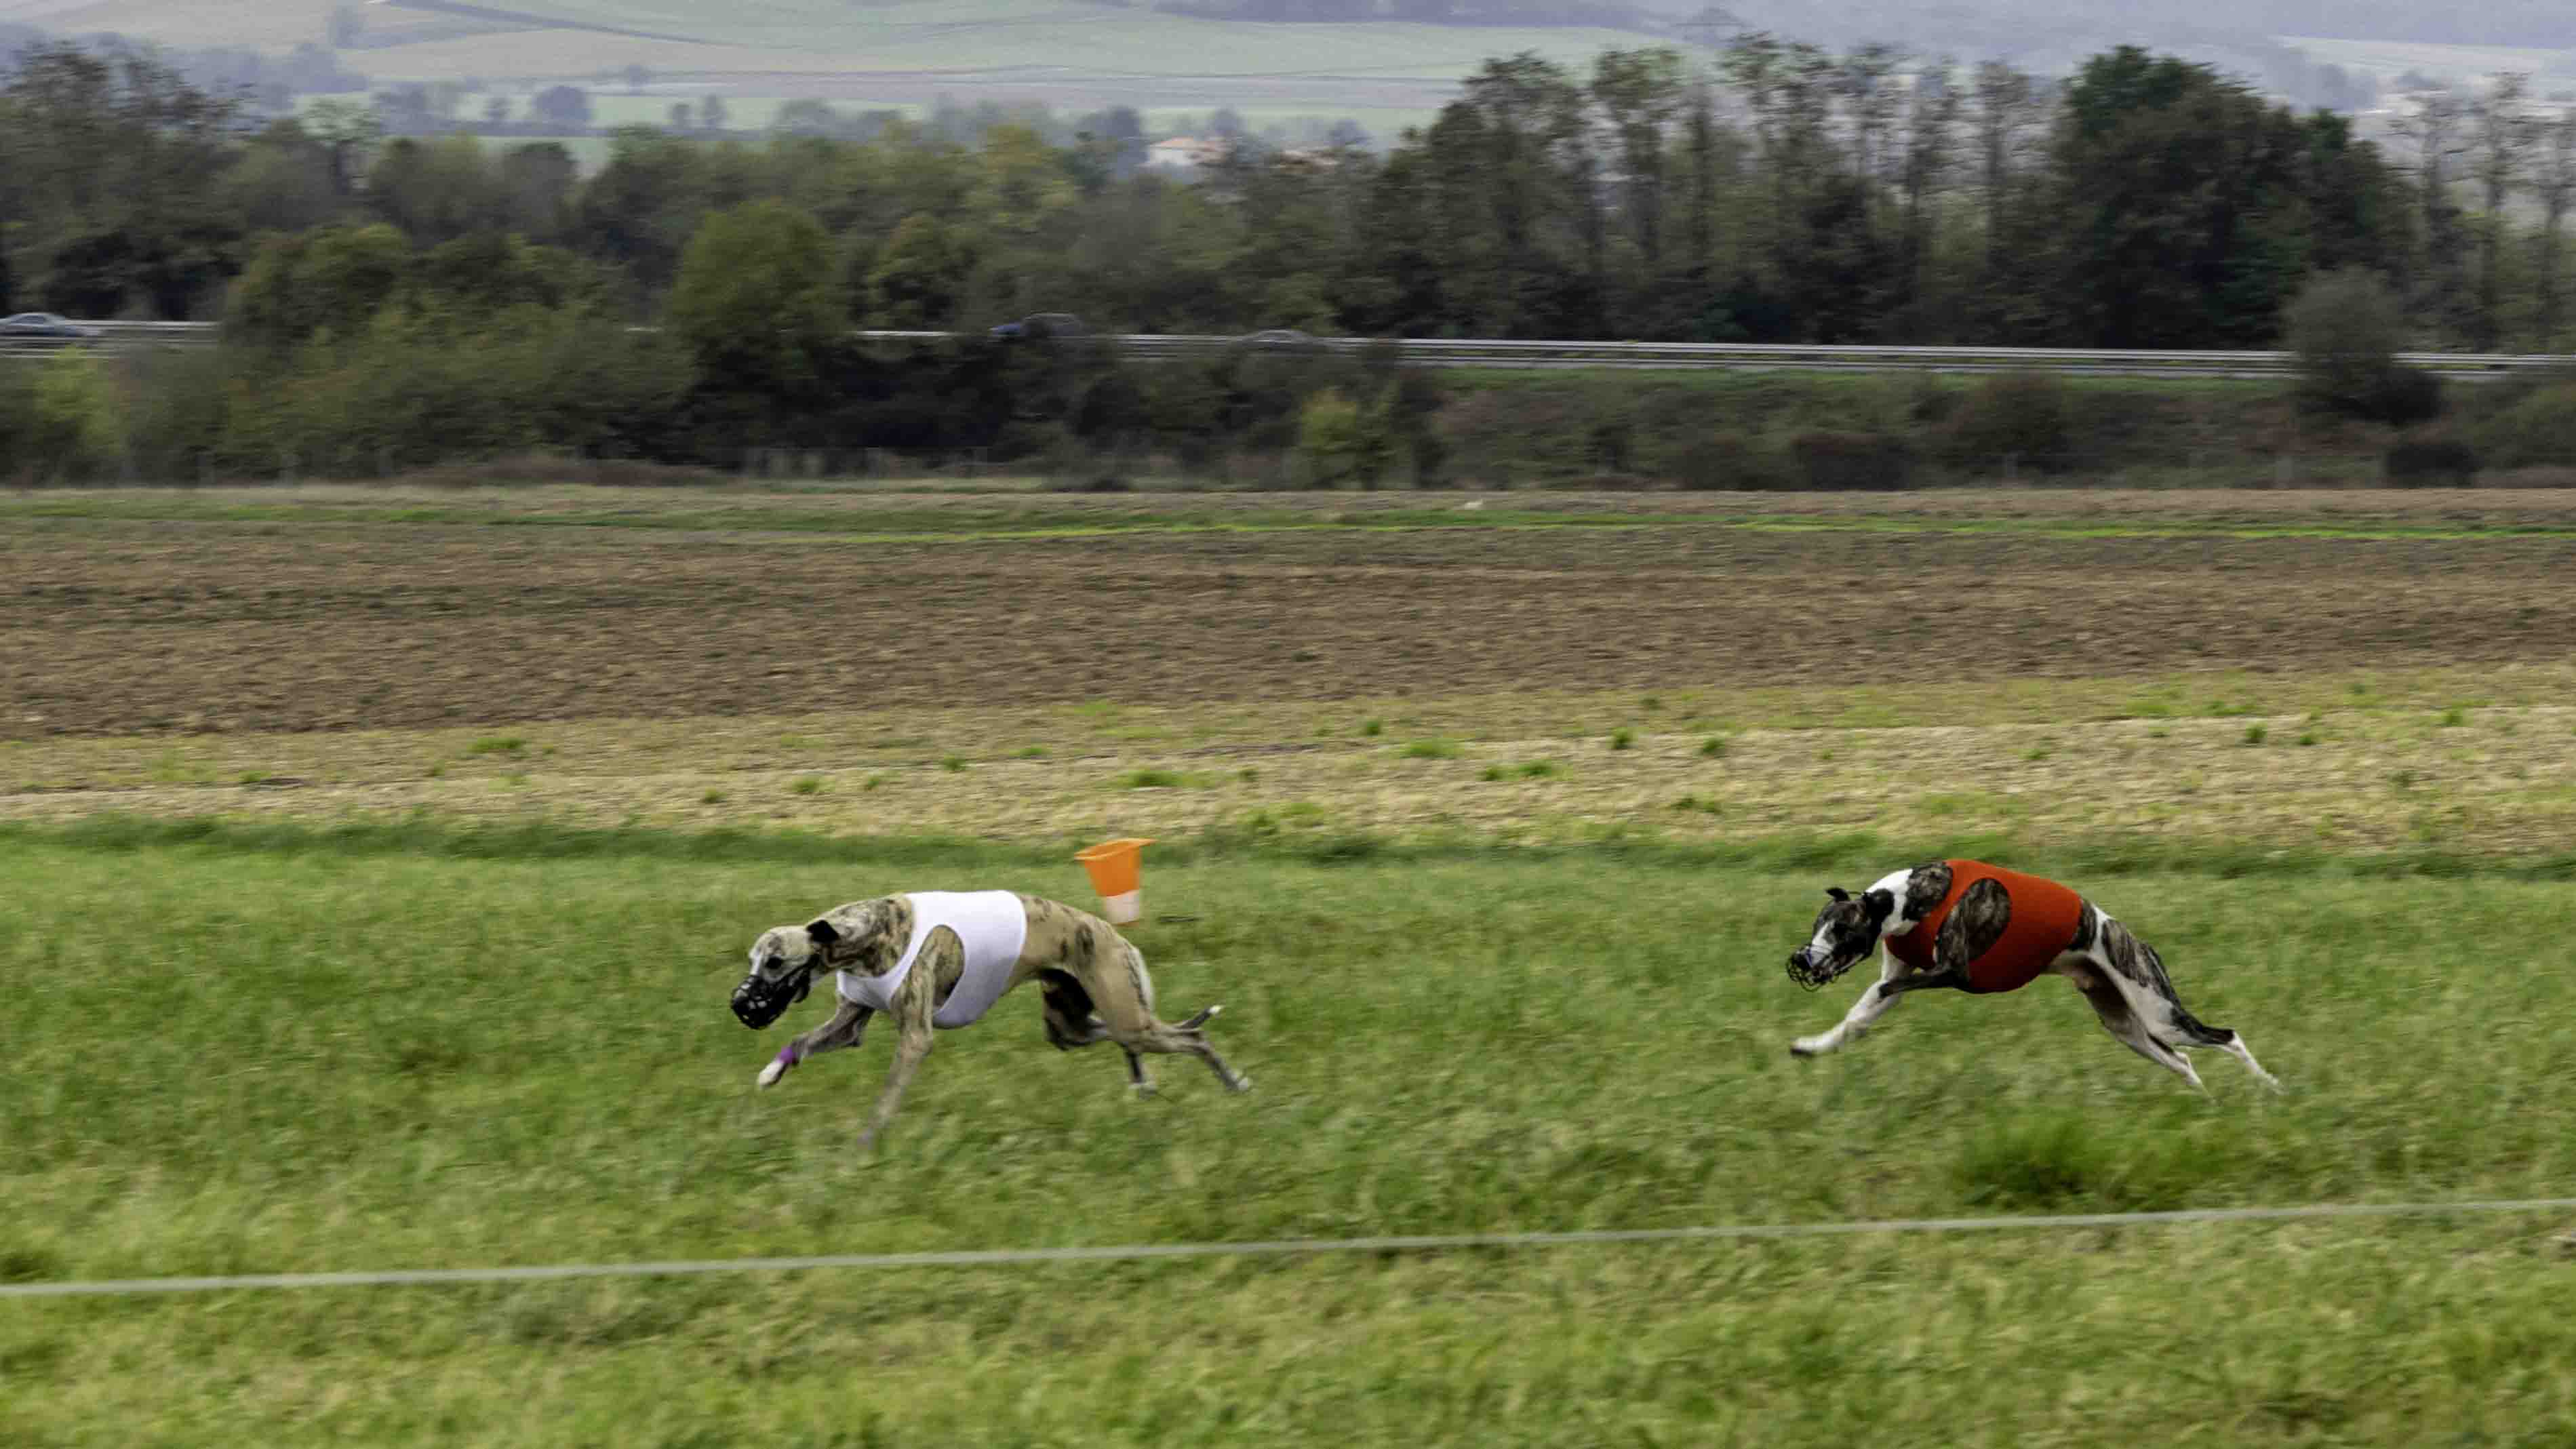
(757, 1003)
(1811, 970)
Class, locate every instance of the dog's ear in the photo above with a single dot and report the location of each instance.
(1881, 904)
(822, 933)
(1838, 893)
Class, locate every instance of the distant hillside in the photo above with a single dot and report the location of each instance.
(267, 24)
(1950, 24)
(1297, 34)
(1272, 56)
(1064, 52)
(2530, 24)
(1065, 34)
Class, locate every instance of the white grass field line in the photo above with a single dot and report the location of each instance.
(1430, 1243)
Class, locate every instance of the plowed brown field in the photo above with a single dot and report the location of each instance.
(123, 625)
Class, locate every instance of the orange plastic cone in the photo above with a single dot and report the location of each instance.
(1116, 867)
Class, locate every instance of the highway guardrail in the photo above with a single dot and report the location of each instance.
(123, 337)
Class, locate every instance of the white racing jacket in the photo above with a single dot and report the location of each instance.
(993, 925)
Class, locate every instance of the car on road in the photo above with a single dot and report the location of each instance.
(1039, 326)
(43, 324)
(1280, 339)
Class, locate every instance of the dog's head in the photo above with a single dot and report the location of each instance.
(863, 936)
(784, 962)
(1846, 931)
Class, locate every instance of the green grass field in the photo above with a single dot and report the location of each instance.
(346, 939)
(235, 1057)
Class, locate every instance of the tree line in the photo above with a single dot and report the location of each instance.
(390, 301)
(1779, 193)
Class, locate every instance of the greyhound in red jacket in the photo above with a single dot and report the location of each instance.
(1985, 930)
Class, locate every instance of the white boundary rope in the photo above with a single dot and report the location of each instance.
(1431, 1243)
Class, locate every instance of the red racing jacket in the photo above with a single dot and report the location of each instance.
(2041, 926)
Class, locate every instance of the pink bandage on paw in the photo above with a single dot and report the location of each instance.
(787, 1055)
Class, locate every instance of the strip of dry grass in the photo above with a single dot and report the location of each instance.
(2459, 761)
(859, 506)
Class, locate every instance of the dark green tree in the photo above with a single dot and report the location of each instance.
(758, 303)
(333, 280)
(283, 181)
(2553, 185)
(437, 190)
(2347, 328)
(564, 106)
(537, 184)
(111, 182)
(2187, 204)
(919, 280)
(643, 205)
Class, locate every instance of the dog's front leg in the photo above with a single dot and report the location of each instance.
(1877, 1001)
(842, 1032)
(909, 1049)
(914, 1002)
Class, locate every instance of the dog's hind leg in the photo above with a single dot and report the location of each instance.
(1144, 1084)
(2134, 966)
(1114, 972)
(2180, 1031)
(1159, 1036)
(1071, 1021)
(2234, 1046)
(2121, 1020)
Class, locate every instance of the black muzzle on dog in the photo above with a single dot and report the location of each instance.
(1812, 971)
(757, 1003)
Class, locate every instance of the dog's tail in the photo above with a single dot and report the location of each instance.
(1144, 979)
(2199, 1030)
(2146, 962)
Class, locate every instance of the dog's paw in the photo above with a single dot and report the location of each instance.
(770, 1074)
(1238, 1083)
(1808, 1046)
(1143, 1090)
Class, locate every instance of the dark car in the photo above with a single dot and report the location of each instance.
(43, 324)
(1280, 339)
(1039, 326)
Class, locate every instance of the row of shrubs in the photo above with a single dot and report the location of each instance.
(1828, 462)
(1903, 433)
(350, 408)
(407, 394)
(403, 395)
(2025, 427)
(409, 388)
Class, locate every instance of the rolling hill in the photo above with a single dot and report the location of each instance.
(1080, 54)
